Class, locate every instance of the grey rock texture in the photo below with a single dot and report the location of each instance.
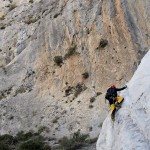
(35, 91)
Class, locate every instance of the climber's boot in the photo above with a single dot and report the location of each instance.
(112, 117)
(118, 105)
(119, 99)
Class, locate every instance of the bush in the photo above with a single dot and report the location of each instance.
(2, 26)
(76, 90)
(23, 141)
(30, 1)
(43, 11)
(46, 147)
(4, 146)
(92, 99)
(21, 136)
(58, 60)
(71, 51)
(7, 139)
(31, 145)
(77, 141)
(85, 75)
(68, 91)
(30, 19)
(2, 17)
(42, 129)
(91, 106)
(91, 141)
(2, 95)
(55, 120)
(103, 43)
(21, 89)
(56, 15)
(79, 88)
(12, 6)
(99, 93)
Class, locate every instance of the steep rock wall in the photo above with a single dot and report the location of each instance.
(35, 91)
(131, 127)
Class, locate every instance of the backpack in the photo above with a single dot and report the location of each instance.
(110, 93)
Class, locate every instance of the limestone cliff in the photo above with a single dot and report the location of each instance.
(98, 42)
(131, 127)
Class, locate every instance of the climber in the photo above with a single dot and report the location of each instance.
(114, 99)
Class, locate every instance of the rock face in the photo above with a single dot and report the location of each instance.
(98, 42)
(131, 127)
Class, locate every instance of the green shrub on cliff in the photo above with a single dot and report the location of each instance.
(76, 141)
(103, 43)
(71, 51)
(23, 141)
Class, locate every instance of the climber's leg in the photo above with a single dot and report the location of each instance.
(113, 110)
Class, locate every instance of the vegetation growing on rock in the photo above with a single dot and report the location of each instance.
(58, 60)
(85, 75)
(71, 51)
(23, 141)
(75, 142)
(56, 15)
(103, 43)
(30, 19)
(12, 6)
